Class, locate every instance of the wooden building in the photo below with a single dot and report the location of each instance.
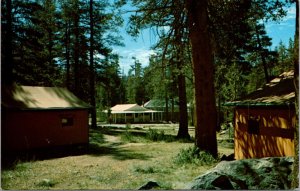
(38, 117)
(264, 120)
(133, 113)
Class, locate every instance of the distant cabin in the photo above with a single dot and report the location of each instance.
(264, 120)
(38, 117)
(133, 113)
(160, 105)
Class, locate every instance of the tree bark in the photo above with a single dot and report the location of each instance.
(67, 54)
(92, 70)
(179, 21)
(205, 126)
(295, 180)
(76, 50)
(183, 131)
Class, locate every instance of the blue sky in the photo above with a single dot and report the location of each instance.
(283, 30)
(141, 46)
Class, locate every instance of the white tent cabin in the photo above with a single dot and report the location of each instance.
(133, 113)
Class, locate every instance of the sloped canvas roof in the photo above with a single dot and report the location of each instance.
(33, 97)
(159, 103)
(127, 108)
(279, 91)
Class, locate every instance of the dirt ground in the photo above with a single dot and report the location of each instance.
(110, 163)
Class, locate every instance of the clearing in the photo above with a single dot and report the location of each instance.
(117, 158)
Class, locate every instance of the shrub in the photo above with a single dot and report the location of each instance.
(155, 135)
(193, 155)
(128, 137)
(128, 126)
(96, 137)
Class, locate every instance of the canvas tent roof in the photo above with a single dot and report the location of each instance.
(159, 103)
(129, 108)
(33, 97)
(279, 91)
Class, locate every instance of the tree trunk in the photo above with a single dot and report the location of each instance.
(295, 181)
(263, 59)
(67, 47)
(92, 70)
(166, 111)
(205, 127)
(76, 52)
(183, 131)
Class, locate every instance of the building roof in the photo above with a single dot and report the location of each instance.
(130, 108)
(160, 103)
(279, 91)
(40, 98)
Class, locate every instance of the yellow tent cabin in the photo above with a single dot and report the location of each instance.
(264, 121)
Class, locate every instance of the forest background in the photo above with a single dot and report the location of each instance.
(71, 43)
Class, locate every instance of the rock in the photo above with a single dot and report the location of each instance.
(265, 173)
(149, 185)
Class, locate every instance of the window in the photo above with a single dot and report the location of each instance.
(253, 125)
(67, 121)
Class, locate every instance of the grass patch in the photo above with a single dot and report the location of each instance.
(110, 163)
(149, 170)
(193, 155)
(155, 135)
(95, 137)
(127, 136)
(46, 183)
(145, 170)
(22, 166)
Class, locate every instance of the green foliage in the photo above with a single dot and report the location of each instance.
(127, 136)
(46, 183)
(156, 135)
(152, 135)
(284, 58)
(193, 155)
(51, 40)
(135, 87)
(95, 137)
(22, 166)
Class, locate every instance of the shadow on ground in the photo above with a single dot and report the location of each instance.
(97, 146)
(115, 152)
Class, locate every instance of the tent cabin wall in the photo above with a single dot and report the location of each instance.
(264, 132)
(30, 129)
(131, 117)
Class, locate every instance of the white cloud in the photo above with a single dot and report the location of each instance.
(292, 10)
